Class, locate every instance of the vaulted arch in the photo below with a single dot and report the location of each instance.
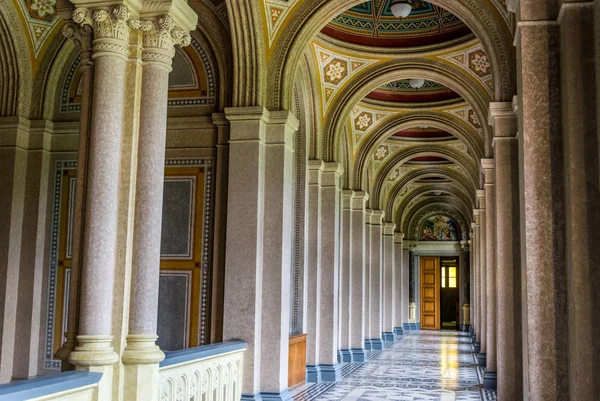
(482, 17)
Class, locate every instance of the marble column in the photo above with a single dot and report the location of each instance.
(481, 357)
(245, 219)
(538, 49)
(463, 284)
(311, 263)
(389, 286)
(489, 380)
(277, 255)
(400, 289)
(508, 238)
(374, 339)
(257, 301)
(473, 303)
(327, 266)
(477, 280)
(345, 236)
(110, 53)
(82, 36)
(357, 279)
(368, 213)
(141, 355)
(579, 58)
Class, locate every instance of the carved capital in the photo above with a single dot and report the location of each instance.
(159, 36)
(110, 28)
(82, 36)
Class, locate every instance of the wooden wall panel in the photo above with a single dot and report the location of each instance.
(297, 360)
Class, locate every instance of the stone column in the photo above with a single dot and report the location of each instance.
(257, 302)
(311, 262)
(277, 255)
(463, 274)
(357, 279)
(345, 234)
(141, 355)
(508, 257)
(481, 357)
(579, 58)
(328, 265)
(368, 213)
(82, 36)
(389, 286)
(110, 53)
(374, 340)
(400, 283)
(489, 380)
(538, 49)
(475, 303)
(245, 219)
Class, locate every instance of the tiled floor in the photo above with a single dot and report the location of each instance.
(420, 366)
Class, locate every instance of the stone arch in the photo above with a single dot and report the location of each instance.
(15, 64)
(362, 83)
(453, 190)
(401, 121)
(408, 153)
(480, 16)
(248, 48)
(453, 175)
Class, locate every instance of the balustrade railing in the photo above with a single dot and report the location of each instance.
(67, 386)
(208, 373)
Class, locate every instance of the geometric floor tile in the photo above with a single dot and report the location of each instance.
(418, 366)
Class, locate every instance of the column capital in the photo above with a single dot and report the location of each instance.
(477, 215)
(359, 200)
(313, 166)
(281, 128)
(249, 123)
(489, 168)
(82, 36)
(399, 238)
(111, 27)
(330, 173)
(500, 110)
(347, 199)
(388, 228)
(502, 117)
(159, 37)
(481, 198)
(376, 217)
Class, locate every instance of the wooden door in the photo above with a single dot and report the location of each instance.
(430, 293)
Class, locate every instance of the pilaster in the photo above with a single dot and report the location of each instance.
(358, 278)
(401, 286)
(344, 318)
(388, 283)
(374, 339)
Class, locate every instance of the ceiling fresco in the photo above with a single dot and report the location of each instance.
(41, 17)
(373, 24)
(401, 91)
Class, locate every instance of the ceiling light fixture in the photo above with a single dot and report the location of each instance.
(416, 83)
(400, 8)
(437, 193)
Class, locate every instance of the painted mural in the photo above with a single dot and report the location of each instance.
(438, 228)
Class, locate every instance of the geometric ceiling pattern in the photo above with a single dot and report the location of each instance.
(275, 13)
(474, 60)
(335, 69)
(373, 24)
(41, 18)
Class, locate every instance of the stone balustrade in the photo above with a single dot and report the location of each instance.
(67, 386)
(212, 372)
(207, 373)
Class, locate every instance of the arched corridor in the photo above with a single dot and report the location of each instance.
(227, 200)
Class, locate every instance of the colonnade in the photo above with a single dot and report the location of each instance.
(535, 289)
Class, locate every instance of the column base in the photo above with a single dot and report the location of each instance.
(399, 331)
(388, 336)
(93, 351)
(406, 326)
(476, 347)
(330, 373)
(313, 374)
(345, 355)
(472, 330)
(374, 343)
(473, 338)
(481, 359)
(358, 354)
(142, 350)
(490, 380)
(465, 328)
